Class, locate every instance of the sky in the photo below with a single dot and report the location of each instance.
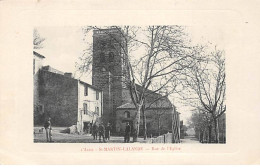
(63, 46)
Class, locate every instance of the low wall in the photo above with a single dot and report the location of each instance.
(166, 138)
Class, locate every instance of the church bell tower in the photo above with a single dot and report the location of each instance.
(108, 70)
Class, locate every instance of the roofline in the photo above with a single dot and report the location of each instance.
(58, 74)
(37, 54)
(93, 87)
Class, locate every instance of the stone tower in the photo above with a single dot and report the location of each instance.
(108, 70)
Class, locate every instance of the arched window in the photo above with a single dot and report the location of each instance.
(127, 114)
(111, 57)
(102, 57)
(103, 69)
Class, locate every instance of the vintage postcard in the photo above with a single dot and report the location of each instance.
(172, 83)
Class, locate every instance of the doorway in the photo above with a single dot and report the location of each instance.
(86, 127)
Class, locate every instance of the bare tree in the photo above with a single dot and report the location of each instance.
(163, 57)
(206, 81)
(37, 40)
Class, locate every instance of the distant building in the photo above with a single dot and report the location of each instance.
(66, 100)
(183, 130)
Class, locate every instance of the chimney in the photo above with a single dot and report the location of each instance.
(68, 74)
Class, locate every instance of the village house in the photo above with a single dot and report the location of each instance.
(66, 100)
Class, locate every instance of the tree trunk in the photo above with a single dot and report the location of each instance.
(205, 137)
(224, 132)
(173, 126)
(136, 124)
(216, 127)
(199, 136)
(159, 122)
(144, 124)
(209, 127)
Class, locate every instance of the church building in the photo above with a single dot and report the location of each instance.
(109, 73)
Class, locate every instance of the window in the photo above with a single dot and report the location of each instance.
(127, 114)
(85, 108)
(103, 69)
(85, 90)
(102, 57)
(40, 109)
(97, 110)
(97, 95)
(111, 57)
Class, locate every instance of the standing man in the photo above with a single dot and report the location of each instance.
(101, 131)
(95, 131)
(127, 132)
(47, 126)
(108, 130)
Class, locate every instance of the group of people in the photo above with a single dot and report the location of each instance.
(97, 130)
(102, 131)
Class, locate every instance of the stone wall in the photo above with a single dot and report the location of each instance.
(58, 98)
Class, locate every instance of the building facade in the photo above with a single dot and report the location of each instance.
(158, 119)
(66, 100)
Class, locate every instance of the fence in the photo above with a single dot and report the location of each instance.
(166, 138)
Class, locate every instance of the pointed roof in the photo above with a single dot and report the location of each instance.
(38, 55)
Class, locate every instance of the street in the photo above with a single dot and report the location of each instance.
(57, 137)
(190, 140)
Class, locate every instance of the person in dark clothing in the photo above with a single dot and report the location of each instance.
(47, 126)
(107, 132)
(127, 132)
(101, 131)
(95, 131)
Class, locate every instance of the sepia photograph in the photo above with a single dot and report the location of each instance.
(129, 84)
